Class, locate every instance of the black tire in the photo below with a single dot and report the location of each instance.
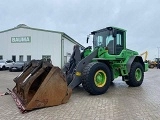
(133, 79)
(3, 68)
(151, 66)
(21, 68)
(88, 79)
(10, 69)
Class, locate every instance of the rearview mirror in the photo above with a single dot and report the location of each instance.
(87, 38)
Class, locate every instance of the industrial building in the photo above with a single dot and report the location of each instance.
(24, 43)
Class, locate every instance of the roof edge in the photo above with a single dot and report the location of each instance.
(26, 27)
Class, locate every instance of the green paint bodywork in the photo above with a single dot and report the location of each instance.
(87, 52)
(118, 63)
(146, 66)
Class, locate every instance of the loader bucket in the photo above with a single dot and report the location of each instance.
(40, 85)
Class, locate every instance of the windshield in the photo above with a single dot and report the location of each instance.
(1, 61)
(19, 62)
(102, 39)
(157, 59)
(113, 43)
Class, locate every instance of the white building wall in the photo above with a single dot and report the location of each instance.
(68, 48)
(42, 43)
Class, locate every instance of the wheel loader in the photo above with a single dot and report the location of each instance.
(42, 85)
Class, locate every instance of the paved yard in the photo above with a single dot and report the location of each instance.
(120, 102)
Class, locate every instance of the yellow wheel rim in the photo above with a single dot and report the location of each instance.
(100, 78)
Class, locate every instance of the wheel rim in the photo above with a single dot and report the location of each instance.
(138, 74)
(100, 78)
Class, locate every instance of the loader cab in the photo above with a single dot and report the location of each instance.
(111, 38)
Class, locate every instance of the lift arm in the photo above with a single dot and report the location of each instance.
(145, 55)
(74, 68)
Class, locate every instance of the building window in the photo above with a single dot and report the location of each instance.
(28, 58)
(21, 58)
(47, 58)
(1, 57)
(14, 58)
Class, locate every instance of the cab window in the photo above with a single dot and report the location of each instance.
(119, 42)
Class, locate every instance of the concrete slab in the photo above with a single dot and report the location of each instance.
(120, 102)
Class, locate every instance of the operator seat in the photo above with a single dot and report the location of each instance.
(110, 47)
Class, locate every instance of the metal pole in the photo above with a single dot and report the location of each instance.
(158, 58)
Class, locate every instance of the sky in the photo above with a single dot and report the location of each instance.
(77, 18)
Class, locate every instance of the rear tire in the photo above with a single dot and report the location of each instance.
(96, 78)
(151, 66)
(10, 69)
(3, 68)
(136, 75)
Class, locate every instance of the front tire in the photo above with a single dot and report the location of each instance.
(10, 69)
(136, 75)
(3, 68)
(96, 78)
